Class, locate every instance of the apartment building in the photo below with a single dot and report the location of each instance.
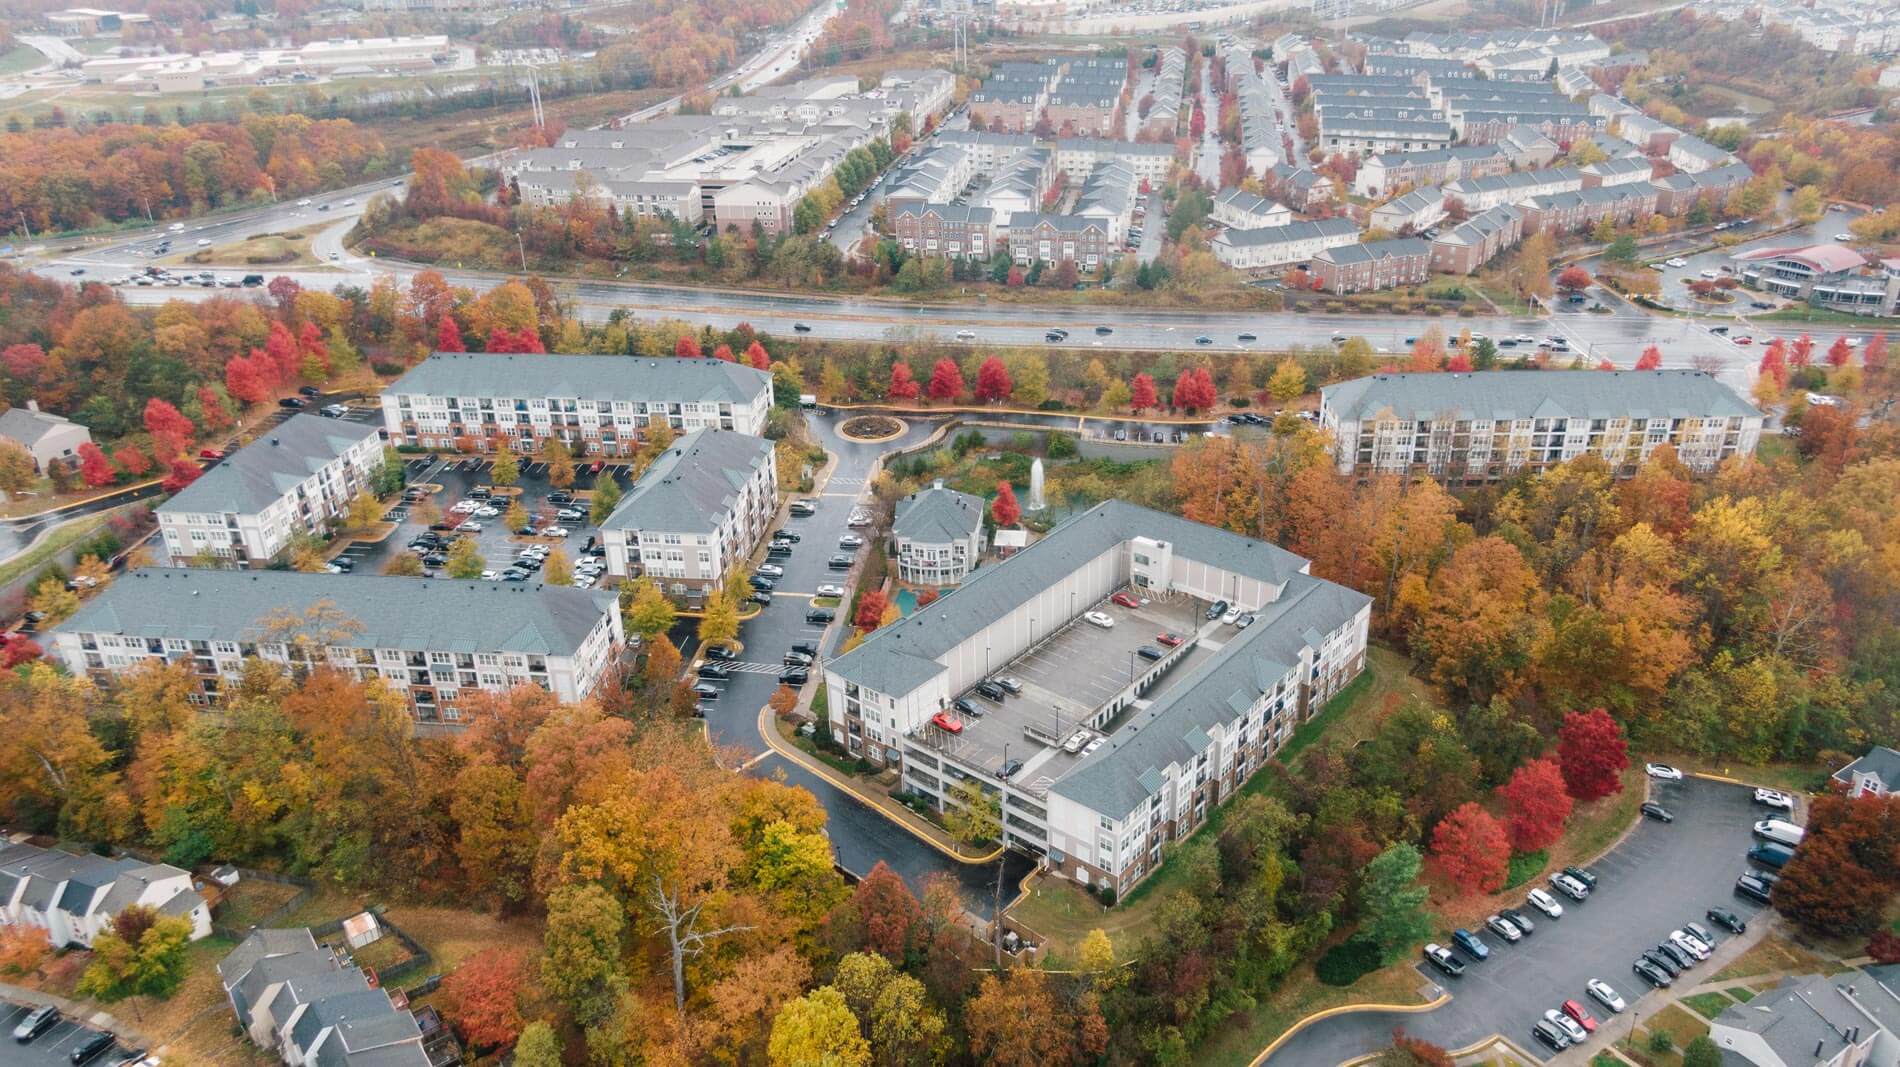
(1654, 137)
(937, 535)
(1624, 171)
(1584, 208)
(660, 199)
(430, 639)
(1244, 211)
(1356, 133)
(987, 151)
(74, 897)
(1692, 155)
(298, 478)
(1300, 188)
(1051, 239)
(949, 230)
(1170, 85)
(597, 405)
(1280, 246)
(1078, 157)
(1376, 265)
(1469, 429)
(701, 508)
(1097, 779)
(1527, 149)
(1847, 1019)
(1382, 175)
(1463, 248)
(1108, 196)
(1414, 212)
(1680, 192)
(1483, 194)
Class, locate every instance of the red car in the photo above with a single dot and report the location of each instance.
(210, 453)
(1168, 639)
(1126, 600)
(1744, 340)
(1582, 1016)
(943, 720)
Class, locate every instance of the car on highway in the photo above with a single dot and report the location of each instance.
(1727, 920)
(1545, 903)
(1562, 1021)
(1099, 618)
(1774, 798)
(1248, 338)
(305, 202)
(1654, 975)
(1440, 957)
(36, 1023)
(1471, 943)
(1104, 330)
(1605, 994)
(1662, 772)
(799, 327)
(1652, 810)
(1504, 928)
(1056, 336)
(1203, 339)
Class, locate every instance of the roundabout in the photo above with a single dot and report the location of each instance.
(871, 429)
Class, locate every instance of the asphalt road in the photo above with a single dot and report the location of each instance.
(1658, 878)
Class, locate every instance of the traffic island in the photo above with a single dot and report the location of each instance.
(872, 429)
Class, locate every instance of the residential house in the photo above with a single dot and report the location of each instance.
(1414, 212)
(75, 897)
(312, 1005)
(298, 478)
(1373, 266)
(1473, 428)
(1243, 210)
(1301, 188)
(596, 404)
(1052, 239)
(937, 535)
(1529, 148)
(1463, 248)
(1652, 136)
(47, 437)
(1383, 175)
(1679, 193)
(1079, 157)
(1280, 246)
(952, 230)
(700, 509)
(1584, 208)
(1483, 194)
(1875, 774)
(430, 639)
(1624, 171)
(1693, 155)
(1850, 1019)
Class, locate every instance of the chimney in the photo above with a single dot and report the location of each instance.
(32, 405)
(273, 442)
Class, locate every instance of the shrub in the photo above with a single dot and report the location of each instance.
(1239, 401)
(1348, 961)
(1524, 867)
(1660, 1041)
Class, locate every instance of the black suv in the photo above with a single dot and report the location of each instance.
(990, 691)
(714, 671)
(91, 1048)
(1217, 609)
(809, 648)
(820, 616)
(794, 676)
(720, 652)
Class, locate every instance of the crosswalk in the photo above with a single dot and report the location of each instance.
(753, 668)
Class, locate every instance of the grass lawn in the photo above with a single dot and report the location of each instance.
(20, 59)
(285, 248)
(1808, 314)
(1708, 1005)
(250, 900)
(1386, 685)
(54, 543)
(1064, 913)
(1741, 994)
(1773, 953)
(1681, 1026)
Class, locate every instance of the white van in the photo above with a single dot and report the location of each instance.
(1780, 832)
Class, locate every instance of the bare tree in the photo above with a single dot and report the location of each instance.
(680, 923)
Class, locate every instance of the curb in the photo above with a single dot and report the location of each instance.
(1346, 1009)
(818, 767)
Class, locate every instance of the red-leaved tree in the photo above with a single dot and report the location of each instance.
(482, 997)
(1774, 364)
(882, 915)
(1535, 805)
(94, 468)
(281, 348)
(1874, 356)
(992, 381)
(135, 461)
(1839, 353)
(1141, 393)
(724, 354)
(1651, 359)
(687, 347)
(1459, 362)
(18, 652)
(182, 472)
(1593, 754)
(903, 386)
(946, 380)
(1194, 390)
(448, 336)
(162, 417)
(1802, 353)
(871, 608)
(1471, 849)
(1573, 279)
(1004, 508)
(755, 355)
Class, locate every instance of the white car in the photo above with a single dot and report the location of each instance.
(463, 507)
(1545, 903)
(1571, 1028)
(305, 202)
(1677, 263)
(1689, 943)
(204, 242)
(471, 526)
(1662, 772)
(1843, 237)
(1099, 618)
(1233, 616)
(491, 576)
(850, 541)
(1604, 994)
(573, 514)
(1774, 798)
(486, 512)
(551, 531)
(830, 590)
(771, 570)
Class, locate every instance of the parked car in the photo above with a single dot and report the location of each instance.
(771, 570)
(1690, 943)
(1753, 887)
(1550, 1034)
(839, 563)
(1545, 903)
(720, 652)
(778, 550)
(830, 590)
(1170, 640)
(1126, 600)
(796, 659)
(1780, 832)
(1664, 960)
(1584, 875)
(1678, 954)
(850, 541)
(1603, 993)
(1571, 1028)
(1471, 943)
(990, 691)
(1440, 957)
(706, 691)
(1771, 856)
(92, 1047)
(1662, 772)
(1658, 812)
(1504, 928)
(787, 536)
(1216, 609)
(1774, 798)
(713, 671)
(809, 648)
(1652, 974)
(820, 616)
(1569, 886)
(1727, 920)
(1097, 618)
(794, 676)
(36, 1023)
(292, 402)
(1520, 920)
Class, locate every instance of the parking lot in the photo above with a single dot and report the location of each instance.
(55, 1046)
(1656, 879)
(498, 544)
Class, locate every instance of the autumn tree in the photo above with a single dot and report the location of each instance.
(558, 570)
(946, 380)
(182, 472)
(1409, 1051)
(719, 620)
(560, 460)
(1847, 866)
(539, 1046)
(23, 947)
(756, 356)
(1004, 510)
(507, 469)
(605, 499)
(902, 386)
(16, 468)
(448, 336)
(581, 950)
(1142, 394)
(1573, 279)
(465, 559)
(818, 1030)
(1839, 353)
(1470, 848)
(992, 382)
(1536, 805)
(870, 612)
(687, 347)
(1288, 381)
(974, 814)
(144, 955)
(1593, 753)
(648, 612)
(1194, 390)
(1651, 359)
(483, 997)
(94, 468)
(881, 914)
(1020, 1020)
